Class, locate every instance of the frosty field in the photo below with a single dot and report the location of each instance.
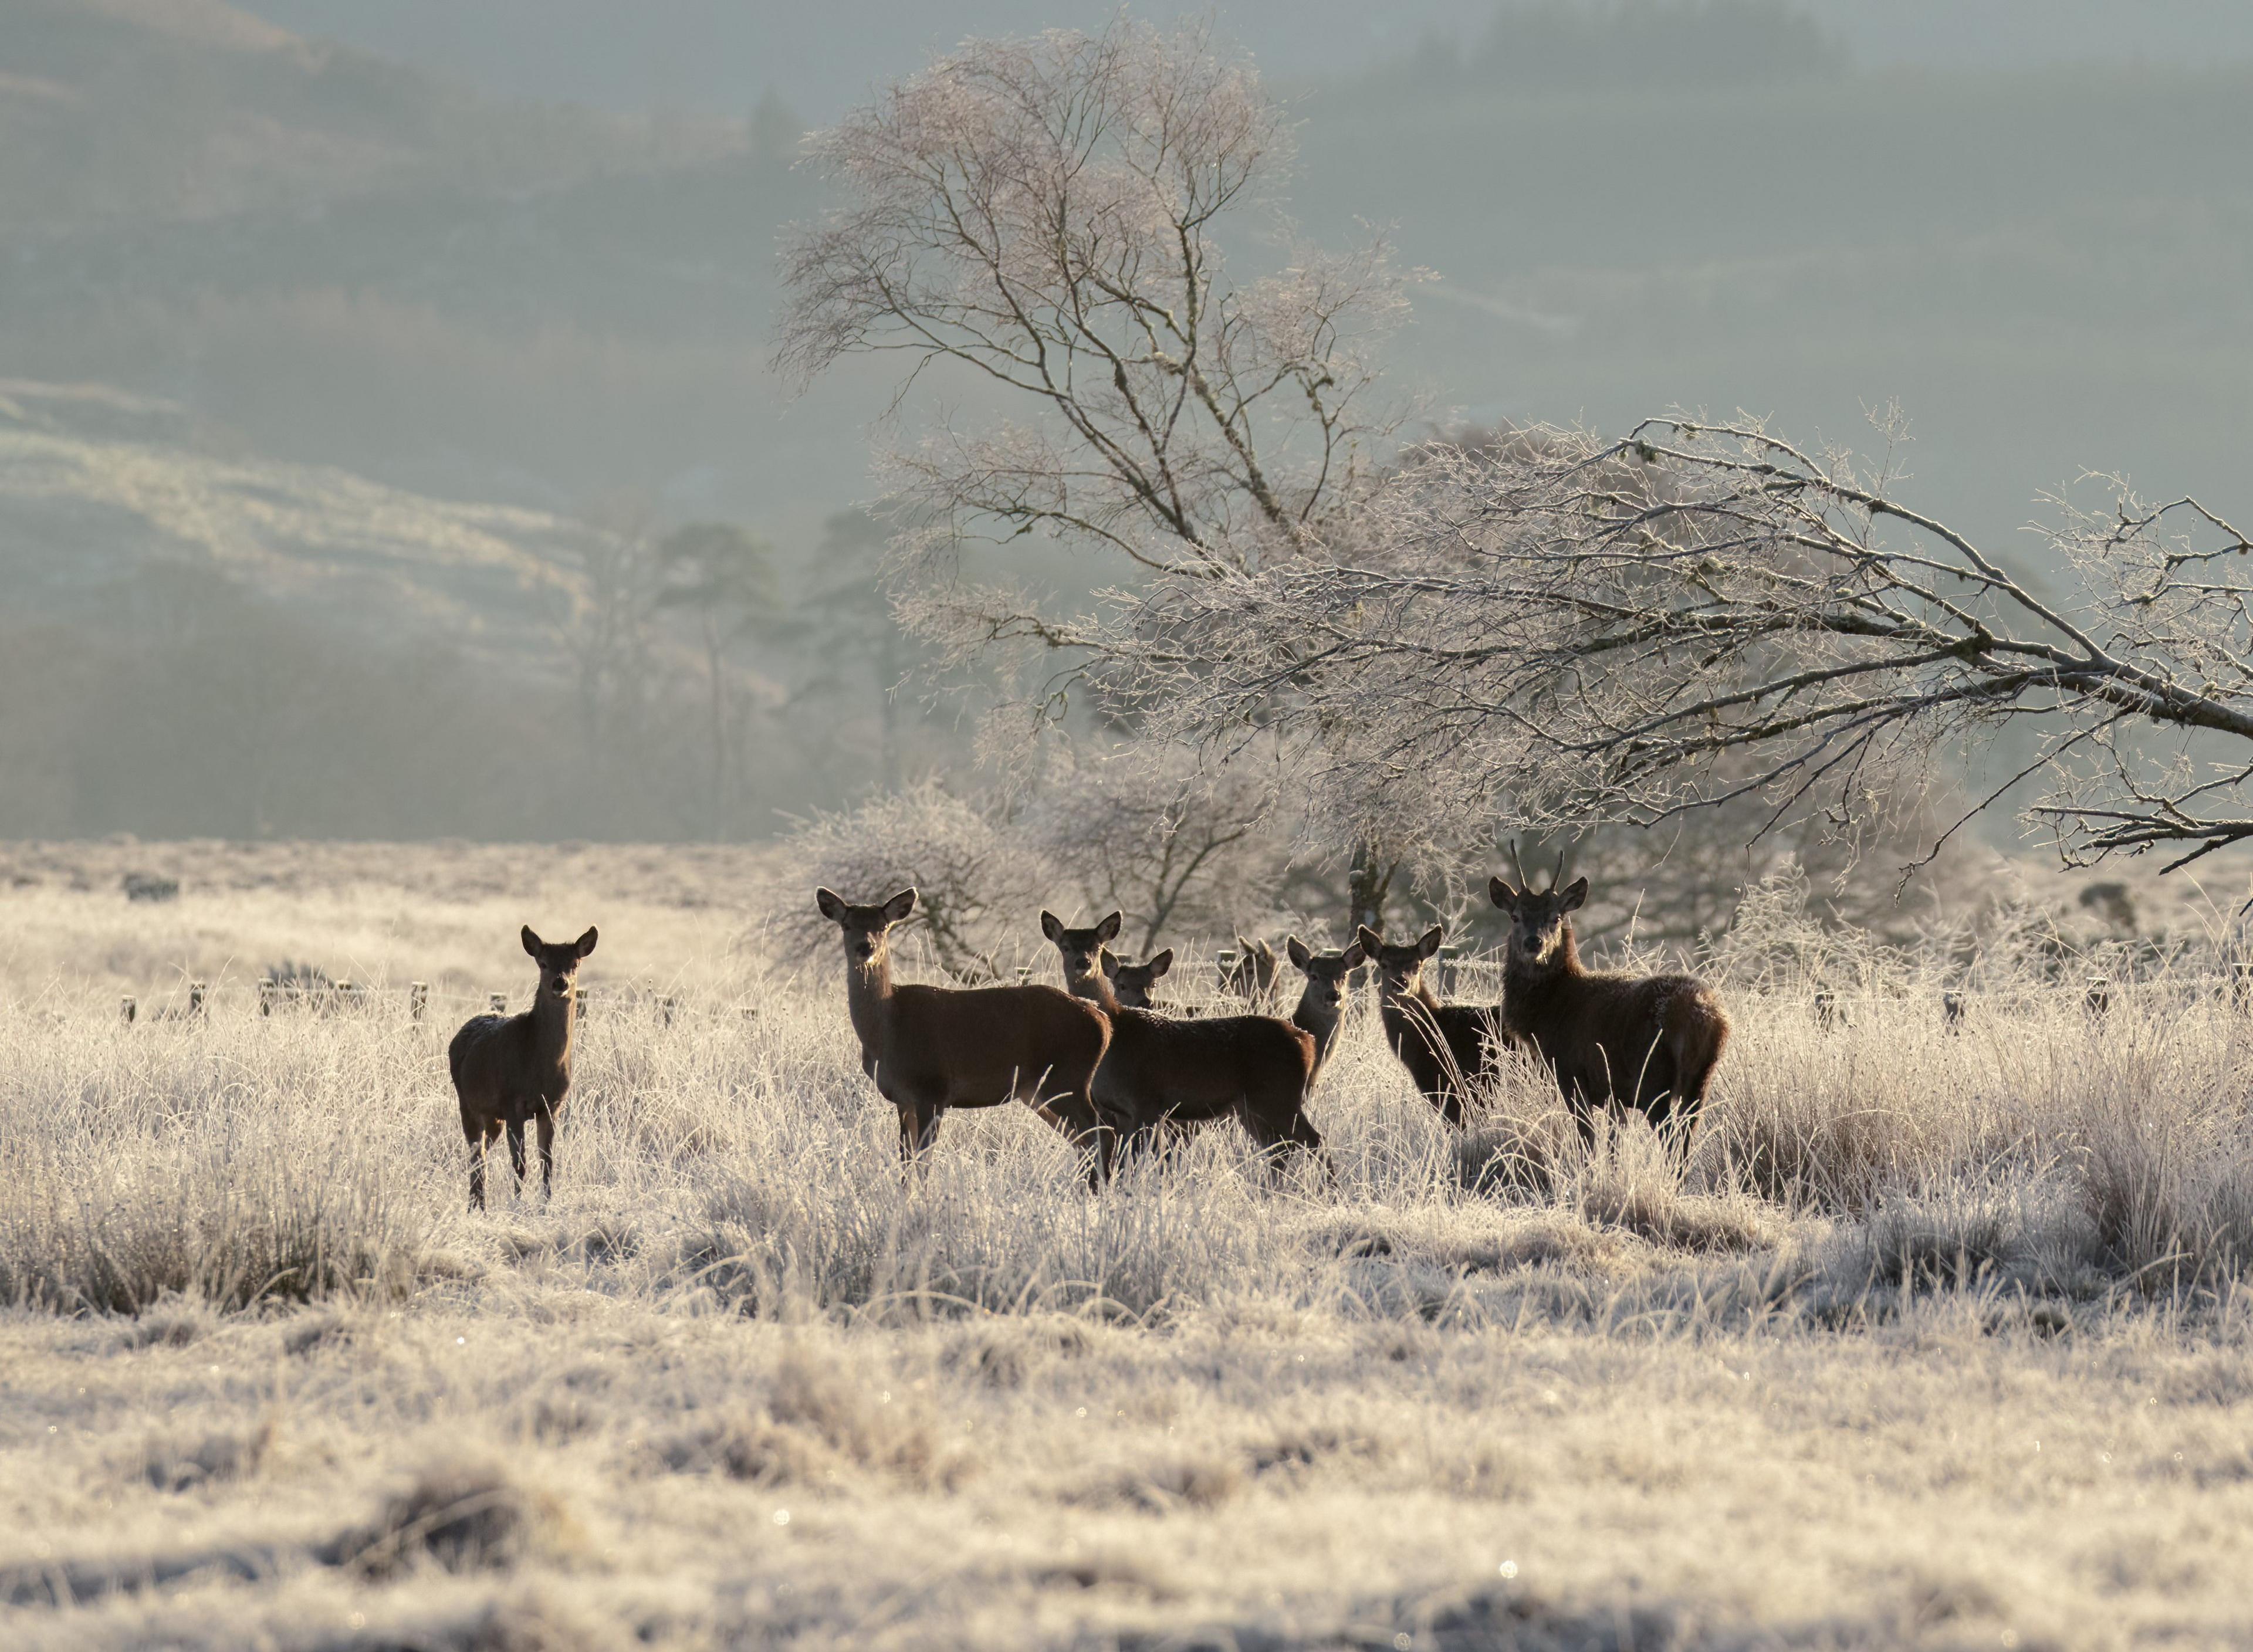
(1942, 1338)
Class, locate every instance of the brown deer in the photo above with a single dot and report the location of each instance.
(933, 1047)
(1252, 977)
(1322, 1001)
(1132, 982)
(1161, 1073)
(511, 1069)
(1448, 1049)
(1651, 1041)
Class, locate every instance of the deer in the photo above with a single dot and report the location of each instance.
(928, 1049)
(508, 1070)
(1252, 977)
(1651, 1041)
(1132, 982)
(1322, 1001)
(1446, 1048)
(1163, 1074)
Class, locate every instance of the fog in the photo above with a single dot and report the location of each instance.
(388, 445)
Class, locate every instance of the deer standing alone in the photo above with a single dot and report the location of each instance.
(1322, 1001)
(1162, 1072)
(1650, 1040)
(933, 1047)
(1446, 1048)
(509, 1069)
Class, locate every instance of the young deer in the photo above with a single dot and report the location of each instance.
(509, 1069)
(1322, 1001)
(1161, 1073)
(1252, 977)
(933, 1047)
(1446, 1048)
(1651, 1041)
(1132, 982)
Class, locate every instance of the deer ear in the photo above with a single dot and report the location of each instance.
(587, 941)
(1430, 943)
(1502, 895)
(1368, 939)
(1576, 893)
(832, 905)
(1110, 961)
(532, 943)
(1051, 925)
(1162, 962)
(1300, 956)
(1354, 957)
(899, 906)
(1108, 929)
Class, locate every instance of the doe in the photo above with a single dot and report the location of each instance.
(1448, 1049)
(511, 1069)
(933, 1047)
(1651, 1041)
(1322, 1001)
(1161, 1074)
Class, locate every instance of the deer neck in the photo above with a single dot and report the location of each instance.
(551, 1030)
(1533, 980)
(869, 996)
(1318, 1023)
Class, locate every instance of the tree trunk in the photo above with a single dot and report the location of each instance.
(1367, 884)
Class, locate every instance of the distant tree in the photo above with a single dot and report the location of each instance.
(722, 579)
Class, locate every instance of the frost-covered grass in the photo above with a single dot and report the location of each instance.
(1941, 1338)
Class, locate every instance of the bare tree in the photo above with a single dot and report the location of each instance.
(723, 578)
(1042, 216)
(1562, 629)
(1037, 226)
(1153, 834)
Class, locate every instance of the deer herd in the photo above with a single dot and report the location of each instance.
(1119, 1075)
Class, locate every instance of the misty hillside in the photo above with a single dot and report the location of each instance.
(97, 488)
(114, 110)
(389, 288)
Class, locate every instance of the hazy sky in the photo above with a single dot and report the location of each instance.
(720, 55)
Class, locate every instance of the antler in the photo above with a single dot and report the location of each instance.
(1517, 865)
(1558, 876)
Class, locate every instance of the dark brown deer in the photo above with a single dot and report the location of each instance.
(1252, 977)
(1161, 1073)
(933, 1047)
(1651, 1041)
(1132, 982)
(1322, 1001)
(511, 1070)
(1448, 1049)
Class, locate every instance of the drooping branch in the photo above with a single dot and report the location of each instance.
(1565, 629)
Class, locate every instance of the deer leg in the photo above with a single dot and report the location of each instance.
(545, 1121)
(477, 1135)
(516, 1151)
(1309, 1140)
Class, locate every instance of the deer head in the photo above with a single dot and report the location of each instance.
(558, 964)
(1327, 973)
(1399, 969)
(866, 929)
(1132, 982)
(1082, 948)
(1541, 930)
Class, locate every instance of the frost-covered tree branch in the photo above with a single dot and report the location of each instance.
(1036, 225)
(1556, 629)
